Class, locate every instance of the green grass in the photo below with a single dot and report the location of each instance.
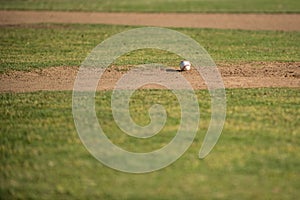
(231, 6)
(256, 157)
(44, 45)
(42, 156)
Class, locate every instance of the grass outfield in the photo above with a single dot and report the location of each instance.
(42, 156)
(231, 6)
(255, 158)
(44, 45)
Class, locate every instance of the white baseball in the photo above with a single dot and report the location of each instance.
(185, 65)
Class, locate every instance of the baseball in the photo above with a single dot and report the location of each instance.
(185, 65)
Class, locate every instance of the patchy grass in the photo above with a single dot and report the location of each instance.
(42, 156)
(44, 45)
(214, 6)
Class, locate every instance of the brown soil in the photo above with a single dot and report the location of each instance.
(242, 75)
(285, 22)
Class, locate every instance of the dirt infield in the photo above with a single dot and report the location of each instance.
(244, 75)
(284, 22)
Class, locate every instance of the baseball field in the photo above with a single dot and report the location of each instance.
(256, 47)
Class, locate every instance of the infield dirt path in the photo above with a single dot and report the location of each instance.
(244, 75)
(285, 22)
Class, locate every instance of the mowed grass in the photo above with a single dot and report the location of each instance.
(43, 45)
(42, 156)
(231, 6)
(256, 157)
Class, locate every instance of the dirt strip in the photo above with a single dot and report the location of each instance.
(243, 75)
(284, 22)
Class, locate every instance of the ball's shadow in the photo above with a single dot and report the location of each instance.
(173, 70)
